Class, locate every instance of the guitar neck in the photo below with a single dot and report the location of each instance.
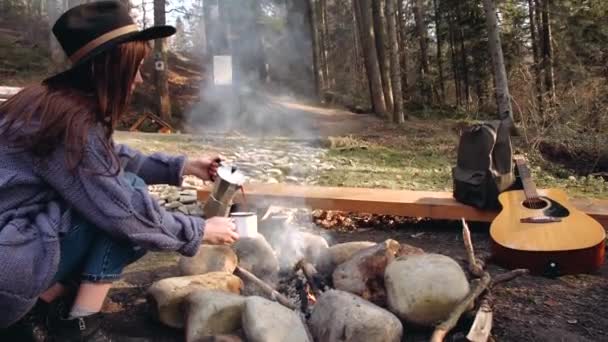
(526, 179)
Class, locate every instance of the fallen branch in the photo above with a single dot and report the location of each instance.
(270, 292)
(475, 266)
(501, 278)
(482, 325)
(310, 272)
(442, 329)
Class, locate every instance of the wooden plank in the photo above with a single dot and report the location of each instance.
(429, 204)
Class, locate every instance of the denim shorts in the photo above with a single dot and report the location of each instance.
(89, 254)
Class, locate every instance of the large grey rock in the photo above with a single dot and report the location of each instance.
(363, 273)
(211, 313)
(256, 255)
(209, 258)
(339, 253)
(423, 289)
(342, 316)
(167, 295)
(268, 321)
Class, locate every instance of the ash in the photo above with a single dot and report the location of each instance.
(294, 286)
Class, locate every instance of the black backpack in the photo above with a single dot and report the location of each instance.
(484, 166)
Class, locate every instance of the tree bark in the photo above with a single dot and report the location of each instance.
(324, 41)
(391, 15)
(300, 27)
(366, 26)
(548, 50)
(503, 98)
(439, 52)
(160, 56)
(55, 9)
(317, 48)
(143, 14)
(463, 59)
(422, 37)
(535, 51)
(457, 85)
(380, 28)
(402, 15)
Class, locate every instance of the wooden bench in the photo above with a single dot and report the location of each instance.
(6, 92)
(427, 204)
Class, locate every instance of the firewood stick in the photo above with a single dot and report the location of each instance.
(442, 329)
(482, 325)
(272, 293)
(501, 278)
(310, 272)
(475, 266)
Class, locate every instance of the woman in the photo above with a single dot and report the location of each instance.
(74, 208)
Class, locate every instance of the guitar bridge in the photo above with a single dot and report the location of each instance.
(540, 219)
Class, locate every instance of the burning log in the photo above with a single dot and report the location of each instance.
(310, 272)
(480, 331)
(270, 292)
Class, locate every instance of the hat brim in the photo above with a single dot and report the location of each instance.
(151, 33)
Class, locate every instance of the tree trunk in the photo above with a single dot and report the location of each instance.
(380, 28)
(457, 85)
(535, 51)
(422, 36)
(503, 98)
(439, 53)
(318, 49)
(404, 47)
(300, 28)
(160, 60)
(548, 50)
(391, 15)
(54, 10)
(463, 59)
(366, 27)
(324, 42)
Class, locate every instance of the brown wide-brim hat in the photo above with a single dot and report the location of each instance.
(88, 30)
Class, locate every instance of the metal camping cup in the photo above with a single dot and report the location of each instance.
(228, 181)
(246, 223)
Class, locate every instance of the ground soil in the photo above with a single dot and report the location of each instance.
(529, 308)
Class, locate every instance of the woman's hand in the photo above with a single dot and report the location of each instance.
(220, 231)
(204, 168)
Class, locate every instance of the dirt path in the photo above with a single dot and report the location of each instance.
(264, 115)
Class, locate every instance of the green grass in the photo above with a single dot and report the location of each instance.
(422, 158)
(415, 166)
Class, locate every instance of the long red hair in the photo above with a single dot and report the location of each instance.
(63, 109)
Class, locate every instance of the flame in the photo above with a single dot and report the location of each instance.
(311, 298)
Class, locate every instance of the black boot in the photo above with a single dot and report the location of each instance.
(31, 327)
(88, 328)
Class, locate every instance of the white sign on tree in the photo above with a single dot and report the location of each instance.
(222, 70)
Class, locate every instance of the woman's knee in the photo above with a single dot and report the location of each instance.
(108, 259)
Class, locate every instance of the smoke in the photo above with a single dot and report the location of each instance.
(254, 84)
(251, 76)
(294, 236)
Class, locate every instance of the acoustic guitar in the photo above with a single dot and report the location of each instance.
(543, 232)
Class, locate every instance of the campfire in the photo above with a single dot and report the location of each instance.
(366, 290)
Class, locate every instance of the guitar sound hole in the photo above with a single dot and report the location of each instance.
(535, 203)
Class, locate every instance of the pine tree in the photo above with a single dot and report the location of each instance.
(180, 39)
